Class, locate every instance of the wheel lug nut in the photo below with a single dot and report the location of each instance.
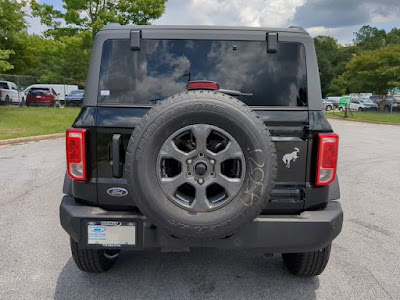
(212, 162)
(188, 174)
(200, 180)
(189, 161)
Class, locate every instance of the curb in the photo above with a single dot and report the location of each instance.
(362, 121)
(31, 139)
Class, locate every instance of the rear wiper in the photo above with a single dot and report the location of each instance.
(235, 93)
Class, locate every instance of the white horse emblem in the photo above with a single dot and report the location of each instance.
(287, 158)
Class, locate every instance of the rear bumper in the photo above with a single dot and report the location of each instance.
(72, 102)
(40, 103)
(308, 231)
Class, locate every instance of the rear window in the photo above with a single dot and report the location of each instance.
(39, 91)
(162, 68)
(3, 85)
(76, 93)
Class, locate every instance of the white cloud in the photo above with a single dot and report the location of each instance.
(339, 13)
(339, 18)
(34, 25)
(344, 35)
(273, 13)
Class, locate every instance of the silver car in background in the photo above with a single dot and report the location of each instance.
(329, 104)
(363, 104)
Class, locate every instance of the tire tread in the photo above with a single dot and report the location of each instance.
(307, 264)
(90, 260)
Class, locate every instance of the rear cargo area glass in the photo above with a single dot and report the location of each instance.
(162, 68)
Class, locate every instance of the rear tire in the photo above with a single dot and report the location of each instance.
(307, 264)
(340, 108)
(93, 260)
(359, 109)
(328, 108)
(7, 100)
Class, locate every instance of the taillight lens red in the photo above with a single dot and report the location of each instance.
(328, 149)
(47, 97)
(202, 85)
(76, 153)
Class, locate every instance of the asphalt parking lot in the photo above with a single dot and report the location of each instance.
(35, 261)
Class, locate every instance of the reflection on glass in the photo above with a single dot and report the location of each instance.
(162, 68)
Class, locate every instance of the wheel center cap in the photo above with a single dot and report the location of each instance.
(200, 168)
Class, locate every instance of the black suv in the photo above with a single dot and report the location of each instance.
(202, 137)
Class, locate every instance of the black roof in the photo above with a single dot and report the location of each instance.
(116, 26)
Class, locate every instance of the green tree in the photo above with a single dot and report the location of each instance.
(343, 56)
(338, 87)
(11, 17)
(393, 37)
(63, 60)
(11, 23)
(326, 48)
(4, 64)
(370, 38)
(92, 15)
(332, 61)
(375, 71)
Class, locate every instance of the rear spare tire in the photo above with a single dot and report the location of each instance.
(200, 165)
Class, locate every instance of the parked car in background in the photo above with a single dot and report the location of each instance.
(62, 90)
(42, 96)
(329, 104)
(362, 104)
(357, 103)
(391, 103)
(74, 98)
(335, 99)
(9, 93)
(376, 99)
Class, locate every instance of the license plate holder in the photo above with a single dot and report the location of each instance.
(108, 233)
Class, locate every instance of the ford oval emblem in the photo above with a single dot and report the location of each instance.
(117, 192)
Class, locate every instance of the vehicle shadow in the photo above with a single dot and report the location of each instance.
(199, 274)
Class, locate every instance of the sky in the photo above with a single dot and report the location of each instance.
(337, 18)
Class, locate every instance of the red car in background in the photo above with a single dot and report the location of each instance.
(42, 96)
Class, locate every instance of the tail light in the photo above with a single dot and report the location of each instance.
(202, 85)
(328, 149)
(76, 153)
(1, 94)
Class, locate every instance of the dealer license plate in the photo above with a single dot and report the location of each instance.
(111, 233)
